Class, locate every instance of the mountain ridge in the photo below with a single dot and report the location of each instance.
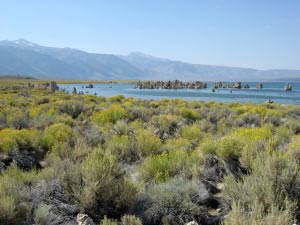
(27, 58)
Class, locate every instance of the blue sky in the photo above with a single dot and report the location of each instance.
(262, 34)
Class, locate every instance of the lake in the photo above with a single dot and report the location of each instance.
(272, 90)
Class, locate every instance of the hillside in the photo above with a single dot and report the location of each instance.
(27, 58)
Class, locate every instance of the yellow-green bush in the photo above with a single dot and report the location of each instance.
(122, 147)
(191, 132)
(229, 147)
(274, 216)
(106, 221)
(208, 145)
(178, 144)
(105, 191)
(18, 119)
(169, 164)
(11, 139)
(172, 202)
(293, 148)
(249, 140)
(189, 114)
(41, 214)
(110, 115)
(12, 193)
(166, 123)
(266, 195)
(130, 220)
(56, 133)
(147, 143)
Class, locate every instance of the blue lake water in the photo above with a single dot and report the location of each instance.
(272, 90)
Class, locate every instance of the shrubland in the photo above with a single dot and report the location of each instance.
(127, 161)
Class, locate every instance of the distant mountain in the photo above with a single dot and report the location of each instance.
(24, 57)
(170, 69)
(27, 58)
(16, 77)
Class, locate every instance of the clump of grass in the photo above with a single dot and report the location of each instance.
(130, 220)
(160, 168)
(57, 133)
(269, 199)
(110, 115)
(105, 191)
(147, 143)
(12, 139)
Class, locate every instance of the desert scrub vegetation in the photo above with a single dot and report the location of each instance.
(153, 162)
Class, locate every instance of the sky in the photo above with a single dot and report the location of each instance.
(262, 34)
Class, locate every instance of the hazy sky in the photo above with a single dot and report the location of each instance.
(247, 33)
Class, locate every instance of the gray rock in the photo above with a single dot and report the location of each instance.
(51, 194)
(24, 159)
(213, 172)
(2, 167)
(84, 219)
(192, 223)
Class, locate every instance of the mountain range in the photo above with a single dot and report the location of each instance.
(30, 59)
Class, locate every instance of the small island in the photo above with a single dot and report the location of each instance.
(170, 85)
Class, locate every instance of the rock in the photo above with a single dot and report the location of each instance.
(269, 101)
(259, 85)
(203, 196)
(52, 194)
(84, 219)
(192, 223)
(90, 86)
(2, 167)
(24, 159)
(214, 170)
(238, 85)
(288, 87)
(170, 85)
(74, 91)
(53, 86)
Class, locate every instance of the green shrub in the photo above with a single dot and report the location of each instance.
(245, 142)
(11, 139)
(165, 124)
(229, 147)
(293, 148)
(110, 115)
(8, 208)
(106, 191)
(274, 216)
(116, 99)
(12, 193)
(147, 143)
(271, 198)
(191, 132)
(72, 108)
(56, 134)
(122, 128)
(189, 114)
(122, 147)
(178, 144)
(172, 202)
(169, 164)
(41, 214)
(18, 119)
(130, 220)
(107, 221)
(208, 145)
